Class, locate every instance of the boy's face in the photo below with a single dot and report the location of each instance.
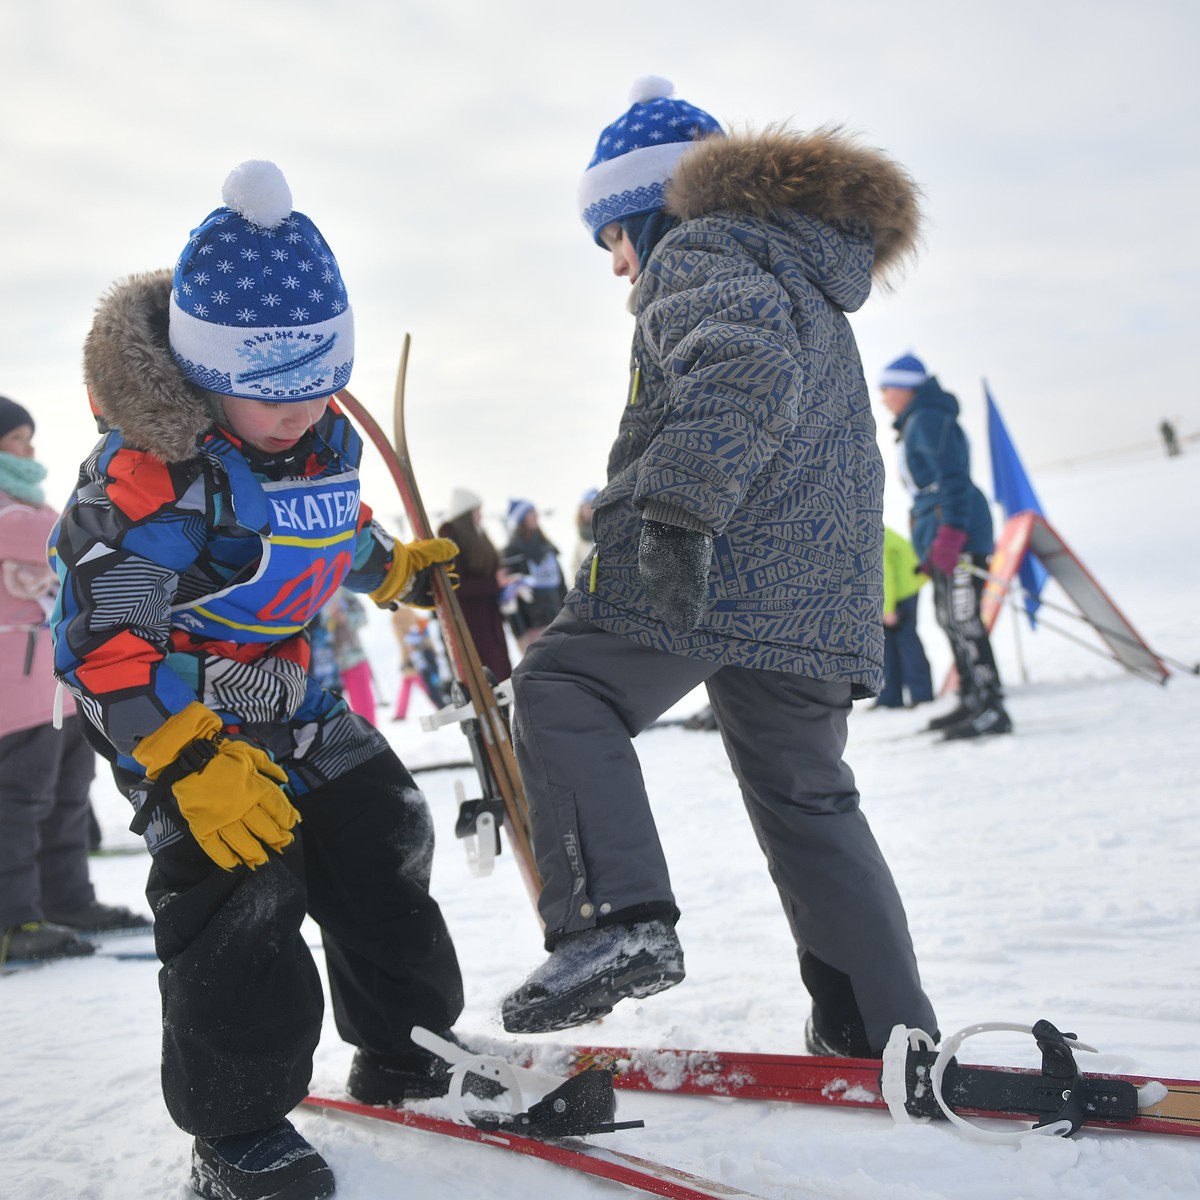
(272, 427)
(895, 399)
(18, 442)
(624, 254)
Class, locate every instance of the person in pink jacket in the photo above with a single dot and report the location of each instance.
(46, 896)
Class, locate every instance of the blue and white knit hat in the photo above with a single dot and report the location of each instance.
(908, 371)
(636, 154)
(258, 308)
(518, 510)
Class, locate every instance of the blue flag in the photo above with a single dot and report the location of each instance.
(1014, 493)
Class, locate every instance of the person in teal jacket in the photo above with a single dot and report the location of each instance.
(952, 536)
(905, 666)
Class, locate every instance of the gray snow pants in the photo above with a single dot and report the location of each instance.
(45, 777)
(582, 694)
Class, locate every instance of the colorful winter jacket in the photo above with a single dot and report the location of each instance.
(935, 464)
(747, 413)
(190, 565)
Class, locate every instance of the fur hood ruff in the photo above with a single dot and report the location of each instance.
(132, 377)
(825, 174)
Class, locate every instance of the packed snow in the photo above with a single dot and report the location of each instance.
(1051, 874)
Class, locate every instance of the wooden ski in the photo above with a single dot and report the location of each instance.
(484, 722)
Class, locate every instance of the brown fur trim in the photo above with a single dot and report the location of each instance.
(131, 375)
(825, 174)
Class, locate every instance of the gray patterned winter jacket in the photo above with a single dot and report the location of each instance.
(748, 414)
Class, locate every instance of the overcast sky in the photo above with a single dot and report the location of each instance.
(438, 145)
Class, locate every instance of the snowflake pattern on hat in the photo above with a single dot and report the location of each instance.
(635, 155)
(260, 311)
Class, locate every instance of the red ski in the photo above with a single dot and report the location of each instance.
(635, 1172)
(1134, 1103)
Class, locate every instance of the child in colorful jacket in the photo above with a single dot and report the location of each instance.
(217, 514)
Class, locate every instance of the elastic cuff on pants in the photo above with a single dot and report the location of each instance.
(655, 910)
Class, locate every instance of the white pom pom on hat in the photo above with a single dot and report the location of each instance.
(257, 191)
(253, 340)
(650, 87)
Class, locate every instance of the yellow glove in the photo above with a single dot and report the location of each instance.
(233, 802)
(407, 560)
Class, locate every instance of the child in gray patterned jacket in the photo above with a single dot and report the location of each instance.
(738, 545)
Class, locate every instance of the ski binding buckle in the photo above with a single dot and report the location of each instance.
(919, 1083)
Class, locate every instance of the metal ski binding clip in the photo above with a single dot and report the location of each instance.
(916, 1084)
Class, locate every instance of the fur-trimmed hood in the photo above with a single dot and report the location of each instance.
(132, 377)
(824, 174)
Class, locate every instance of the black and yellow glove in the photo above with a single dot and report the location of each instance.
(228, 792)
(407, 560)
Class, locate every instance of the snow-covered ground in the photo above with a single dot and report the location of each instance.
(1050, 874)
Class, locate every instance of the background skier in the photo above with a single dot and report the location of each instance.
(952, 535)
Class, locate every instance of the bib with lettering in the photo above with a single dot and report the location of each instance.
(306, 556)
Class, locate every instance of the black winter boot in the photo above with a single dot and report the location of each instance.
(960, 712)
(393, 1079)
(101, 918)
(989, 720)
(41, 940)
(270, 1164)
(590, 971)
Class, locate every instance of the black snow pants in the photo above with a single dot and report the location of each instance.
(241, 996)
(956, 600)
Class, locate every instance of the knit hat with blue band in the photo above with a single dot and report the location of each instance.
(636, 154)
(907, 371)
(518, 510)
(258, 308)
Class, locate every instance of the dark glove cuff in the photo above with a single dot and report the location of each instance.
(670, 514)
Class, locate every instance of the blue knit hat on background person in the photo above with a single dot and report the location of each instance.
(637, 153)
(908, 371)
(518, 510)
(258, 308)
(13, 416)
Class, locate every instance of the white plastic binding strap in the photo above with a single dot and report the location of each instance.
(480, 845)
(948, 1050)
(525, 1087)
(893, 1079)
